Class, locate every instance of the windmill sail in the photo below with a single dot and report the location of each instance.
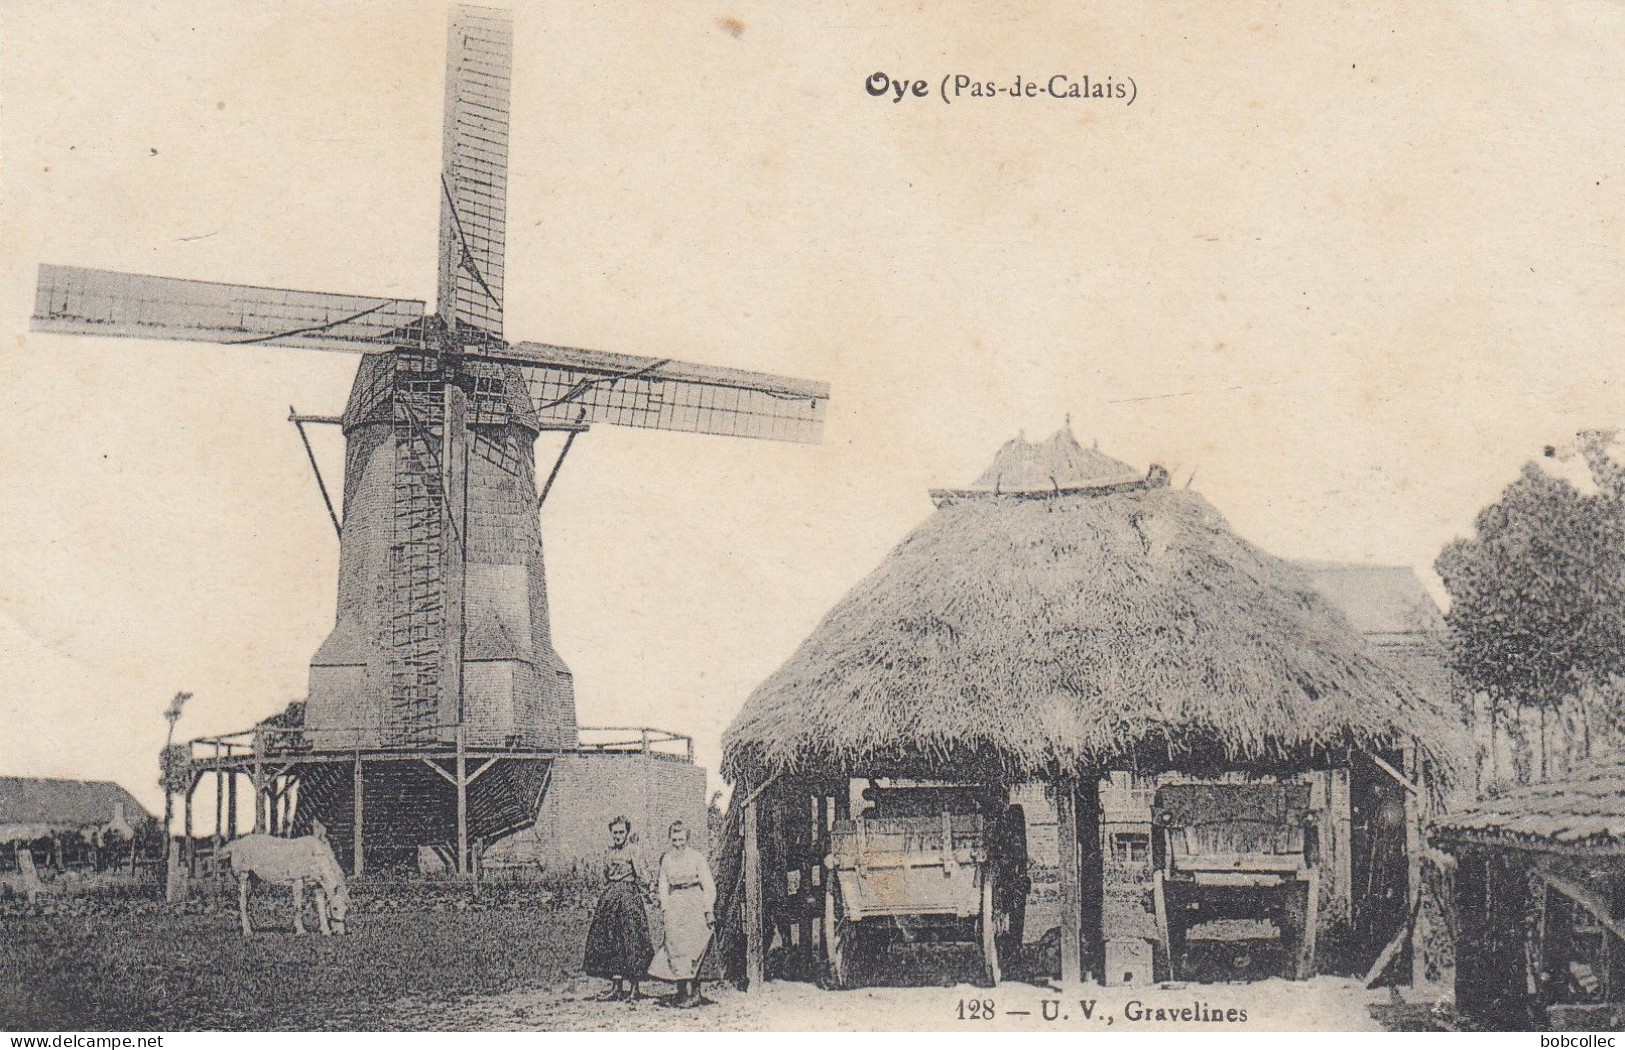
(570, 385)
(474, 175)
(106, 303)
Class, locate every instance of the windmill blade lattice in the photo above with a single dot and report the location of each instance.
(81, 301)
(474, 176)
(586, 386)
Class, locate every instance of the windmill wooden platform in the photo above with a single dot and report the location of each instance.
(439, 713)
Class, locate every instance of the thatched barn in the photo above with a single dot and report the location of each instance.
(1063, 617)
(67, 823)
(1540, 883)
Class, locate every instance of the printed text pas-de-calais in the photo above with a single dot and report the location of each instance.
(956, 86)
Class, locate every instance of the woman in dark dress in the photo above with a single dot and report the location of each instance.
(618, 944)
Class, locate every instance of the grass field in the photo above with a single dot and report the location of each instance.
(431, 959)
(197, 972)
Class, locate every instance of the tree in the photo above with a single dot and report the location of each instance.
(172, 761)
(1538, 594)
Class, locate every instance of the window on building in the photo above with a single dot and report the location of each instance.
(1130, 847)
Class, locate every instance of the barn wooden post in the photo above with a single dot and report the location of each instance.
(462, 806)
(231, 805)
(826, 820)
(1413, 864)
(1091, 877)
(359, 856)
(755, 968)
(1066, 816)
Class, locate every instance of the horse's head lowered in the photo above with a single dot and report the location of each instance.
(338, 905)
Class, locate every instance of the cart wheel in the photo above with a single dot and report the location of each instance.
(837, 939)
(989, 927)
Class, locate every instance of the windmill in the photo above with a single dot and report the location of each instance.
(441, 648)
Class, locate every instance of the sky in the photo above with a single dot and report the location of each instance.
(1343, 268)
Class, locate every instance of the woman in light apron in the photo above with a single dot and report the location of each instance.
(687, 896)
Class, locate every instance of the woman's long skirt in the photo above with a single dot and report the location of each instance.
(686, 937)
(618, 943)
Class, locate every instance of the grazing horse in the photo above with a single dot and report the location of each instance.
(292, 861)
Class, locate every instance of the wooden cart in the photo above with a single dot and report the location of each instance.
(1236, 887)
(942, 870)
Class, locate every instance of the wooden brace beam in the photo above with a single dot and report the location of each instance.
(1403, 781)
(447, 777)
(1584, 897)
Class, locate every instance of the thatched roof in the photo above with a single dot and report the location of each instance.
(35, 807)
(1107, 625)
(1584, 811)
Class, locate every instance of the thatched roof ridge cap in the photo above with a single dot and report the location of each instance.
(1057, 462)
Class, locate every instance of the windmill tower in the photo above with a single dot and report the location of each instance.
(441, 649)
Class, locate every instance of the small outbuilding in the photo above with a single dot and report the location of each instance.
(1062, 618)
(1540, 902)
(67, 823)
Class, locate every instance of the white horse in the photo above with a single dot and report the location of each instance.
(291, 862)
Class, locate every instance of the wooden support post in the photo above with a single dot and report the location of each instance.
(191, 853)
(755, 964)
(169, 833)
(454, 556)
(259, 792)
(1159, 903)
(1340, 828)
(174, 874)
(826, 817)
(359, 853)
(231, 806)
(810, 838)
(462, 806)
(1066, 815)
(219, 801)
(1413, 868)
(1091, 878)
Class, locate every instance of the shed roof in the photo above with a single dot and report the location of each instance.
(1582, 811)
